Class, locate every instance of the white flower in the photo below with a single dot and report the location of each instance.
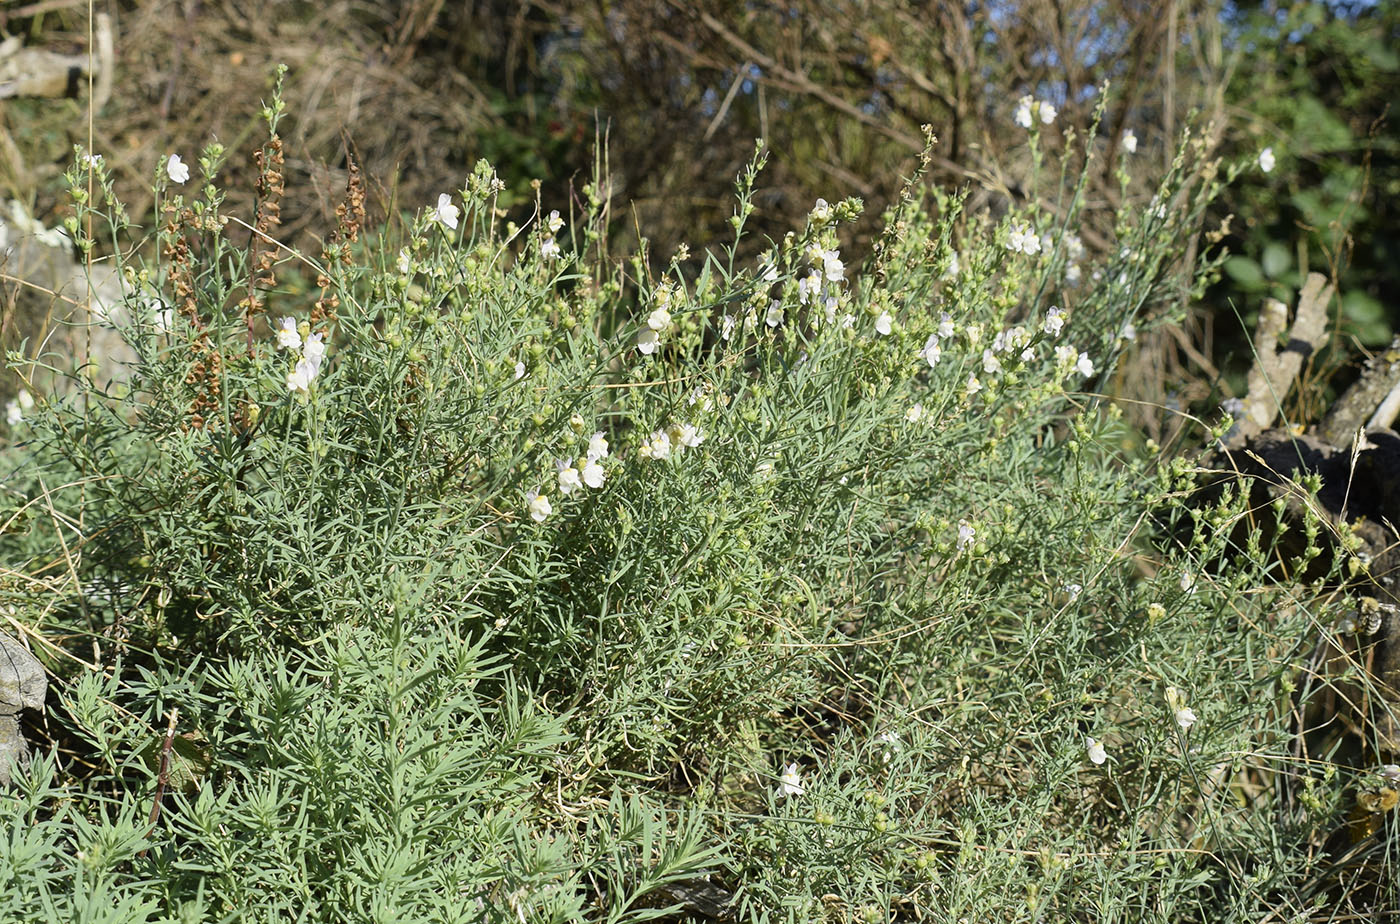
(288, 338)
(647, 341)
(549, 248)
(726, 326)
(91, 160)
(1084, 365)
(13, 415)
(848, 321)
(990, 364)
(1074, 590)
(1129, 331)
(821, 212)
(1185, 717)
(446, 214)
(688, 435)
(569, 478)
(659, 320)
(1074, 245)
(808, 287)
(945, 326)
(973, 386)
(954, 266)
(1065, 355)
(884, 324)
(538, 505)
(176, 169)
(1022, 116)
(1047, 112)
(519, 371)
(767, 269)
(554, 222)
(1094, 747)
(1023, 239)
(915, 413)
(657, 446)
(314, 351)
(931, 351)
(832, 267)
(1130, 141)
(597, 447)
(593, 474)
(1266, 160)
(299, 379)
(967, 534)
(765, 470)
(775, 315)
(1073, 273)
(405, 263)
(790, 783)
(1188, 582)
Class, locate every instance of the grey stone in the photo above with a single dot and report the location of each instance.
(22, 686)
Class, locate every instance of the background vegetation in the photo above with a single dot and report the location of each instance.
(885, 600)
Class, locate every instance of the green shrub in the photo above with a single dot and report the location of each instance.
(872, 607)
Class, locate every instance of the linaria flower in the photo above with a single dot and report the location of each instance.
(538, 505)
(1185, 717)
(931, 351)
(884, 324)
(967, 534)
(405, 264)
(177, 170)
(597, 447)
(1183, 714)
(832, 267)
(288, 338)
(569, 478)
(1047, 112)
(767, 269)
(809, 287)
(300, 378)
(1094, 747)
(1054, 321)
(790, 783)
(990, 364)
(1022, 116)
(1084, 365)
(1073, 273)
(688, 435)
(945, 326)
(93, 161)
(659, 320)
(1023, 239)
(519, 370)
(821, 212)
(657, 446)
(647, 340)
(1065, 356)
(973, 386)
(554, 222)
(1129, 332)
(775, 315)
(549, 248)
(954, 266)
(314, 350)
(1130, 141)
(765, 470)
(445, 213)
(915, 413)
(13, 415)
(593, 473)
(1188, 582)
(1266, 160)
(1074, 590)
(726, 326)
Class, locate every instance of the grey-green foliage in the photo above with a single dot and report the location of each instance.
(829, 641)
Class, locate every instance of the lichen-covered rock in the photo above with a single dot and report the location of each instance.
(22, 686)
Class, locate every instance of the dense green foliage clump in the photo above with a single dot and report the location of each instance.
(512, 582)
